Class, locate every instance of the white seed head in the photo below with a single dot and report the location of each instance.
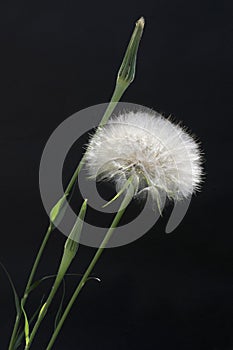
(162, 157)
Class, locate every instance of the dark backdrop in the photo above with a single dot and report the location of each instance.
(57, 57)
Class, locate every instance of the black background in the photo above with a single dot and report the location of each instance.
(57, 57)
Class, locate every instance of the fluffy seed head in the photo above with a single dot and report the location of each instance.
(162, 157)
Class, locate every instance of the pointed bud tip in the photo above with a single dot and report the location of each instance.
(126, 72)
(141, 22)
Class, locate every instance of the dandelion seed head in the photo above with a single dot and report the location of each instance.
(162, 157)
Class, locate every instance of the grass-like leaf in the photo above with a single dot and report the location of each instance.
(20, 336)
(26, 325)
(17, 303)
(38, 282)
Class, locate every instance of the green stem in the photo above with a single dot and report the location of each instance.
(127, 199)
(70, 250)
(125, 77)
(118, 92)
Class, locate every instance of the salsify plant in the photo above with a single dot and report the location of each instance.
(141, 153)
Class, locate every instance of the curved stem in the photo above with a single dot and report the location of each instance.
(127, 199)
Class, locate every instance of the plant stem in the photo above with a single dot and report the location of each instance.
(70, 250)
(127, 199)
(125, 77)
(118, 92)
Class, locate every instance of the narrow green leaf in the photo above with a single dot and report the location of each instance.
(20, 336)
(26, 325)
(17, 303)
(34, 286)
(124, 188)
(38, 282)
(59, 311)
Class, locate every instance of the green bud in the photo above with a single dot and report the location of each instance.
(127, 69)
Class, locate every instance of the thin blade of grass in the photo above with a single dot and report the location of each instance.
(26, 325)
(19, 338)
(17, 303)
